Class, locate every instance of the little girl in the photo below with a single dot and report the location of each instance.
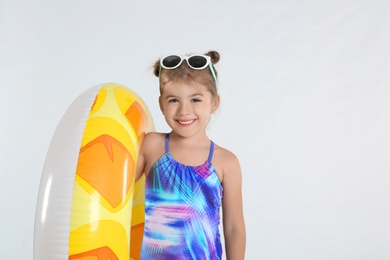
(188, 177)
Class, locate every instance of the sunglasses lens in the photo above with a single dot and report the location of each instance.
(197, 62)
(171, 61)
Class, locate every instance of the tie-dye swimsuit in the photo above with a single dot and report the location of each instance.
(182, 210)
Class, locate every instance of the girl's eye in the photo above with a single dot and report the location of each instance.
(173, 100)
(195, 100)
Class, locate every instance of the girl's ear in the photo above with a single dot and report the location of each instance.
(216, 102)
(161, 104)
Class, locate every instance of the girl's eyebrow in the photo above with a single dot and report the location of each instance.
(190, 96)
(196, 94)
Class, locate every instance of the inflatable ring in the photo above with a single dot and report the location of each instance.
(89, 206)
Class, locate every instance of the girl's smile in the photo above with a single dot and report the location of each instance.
(185, 123)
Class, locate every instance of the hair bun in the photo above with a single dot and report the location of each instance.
(156, 68)
(214, 55)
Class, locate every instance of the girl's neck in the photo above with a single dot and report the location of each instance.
(193, 141)
(192, 151)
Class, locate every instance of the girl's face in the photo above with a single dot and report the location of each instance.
(187, 107)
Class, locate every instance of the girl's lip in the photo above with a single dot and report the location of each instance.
(185, 122)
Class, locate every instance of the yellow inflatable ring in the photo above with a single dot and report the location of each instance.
(89, 206)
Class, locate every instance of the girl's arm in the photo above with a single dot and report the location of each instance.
(140, 164)
(233, 217)
(142, 158)
(152, 148)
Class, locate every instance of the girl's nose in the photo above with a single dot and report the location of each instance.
(184, 108)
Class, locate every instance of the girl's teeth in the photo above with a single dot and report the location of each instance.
(186, 122)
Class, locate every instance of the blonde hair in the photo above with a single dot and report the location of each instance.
(185, 74)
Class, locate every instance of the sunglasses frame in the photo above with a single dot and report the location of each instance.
(186, 58)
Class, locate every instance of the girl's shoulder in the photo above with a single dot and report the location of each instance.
(225, 162)
(153, 147)
(154, 136)
(224, 155)
(153, 140)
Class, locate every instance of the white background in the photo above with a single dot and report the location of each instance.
(305, 106)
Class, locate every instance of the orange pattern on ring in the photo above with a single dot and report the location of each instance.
(101, 164)
(102, 253)
(135, 114)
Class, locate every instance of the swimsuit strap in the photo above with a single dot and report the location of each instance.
(211, 153)
(166, 143)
